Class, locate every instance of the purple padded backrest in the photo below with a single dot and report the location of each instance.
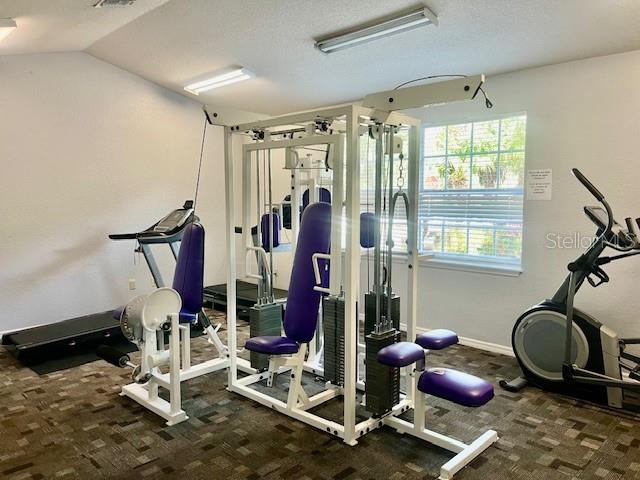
(301, 314)
(264, 230)
(189, 275)
(323, 194)
(368, 226)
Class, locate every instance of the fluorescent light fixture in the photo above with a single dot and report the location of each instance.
(7, 25)
(389, 26)
(220, 80)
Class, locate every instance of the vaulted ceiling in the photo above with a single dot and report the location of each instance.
(171, 43)
(64, 25)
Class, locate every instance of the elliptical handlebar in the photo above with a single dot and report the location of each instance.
(588, 185)
(600, 197)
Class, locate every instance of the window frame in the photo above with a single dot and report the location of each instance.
(466, 262)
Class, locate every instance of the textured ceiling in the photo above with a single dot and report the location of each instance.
(183, 39)
(63, 25)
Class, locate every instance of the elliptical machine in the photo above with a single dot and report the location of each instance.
(562, 349)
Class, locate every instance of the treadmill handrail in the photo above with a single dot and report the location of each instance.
(139, 235)
(123, 236)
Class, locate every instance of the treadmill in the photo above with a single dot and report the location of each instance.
(72, 342)
(246, 297)
(167, 230)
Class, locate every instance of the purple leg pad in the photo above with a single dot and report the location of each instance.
(401, 354)
(264, 229)
(368, 227)
(457, 387)
(437, 339)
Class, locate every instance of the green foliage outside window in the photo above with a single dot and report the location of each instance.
(472, 184)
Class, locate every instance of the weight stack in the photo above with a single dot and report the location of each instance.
(382, 387)
(333, 327)
(370, 311)
(264, 320)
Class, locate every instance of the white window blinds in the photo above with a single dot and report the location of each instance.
(471, 193)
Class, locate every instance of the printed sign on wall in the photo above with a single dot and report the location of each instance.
(539, 184)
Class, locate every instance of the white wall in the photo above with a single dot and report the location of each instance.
(87, 149)
(583, 114)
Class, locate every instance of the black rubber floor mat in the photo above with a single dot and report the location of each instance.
(49, 362)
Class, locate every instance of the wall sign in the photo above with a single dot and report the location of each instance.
(539, 184)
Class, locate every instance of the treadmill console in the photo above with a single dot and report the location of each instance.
(168, 229)
(174, 220)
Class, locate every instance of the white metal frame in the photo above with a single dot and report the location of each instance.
(348, 120)
(177, 358)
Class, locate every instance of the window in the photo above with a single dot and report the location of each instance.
(471, 193)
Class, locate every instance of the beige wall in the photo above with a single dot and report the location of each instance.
(583, 114)
(87, 149)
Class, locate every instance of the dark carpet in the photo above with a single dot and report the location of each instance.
(73, 425)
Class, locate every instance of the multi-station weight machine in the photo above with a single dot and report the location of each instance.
(370, 399)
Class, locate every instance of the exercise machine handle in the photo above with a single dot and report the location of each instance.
(601, 277)
(316, 271)
(262, 254)
(587, 184)
(254, 230)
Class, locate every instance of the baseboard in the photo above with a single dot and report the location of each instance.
(479, 344)
(466, 341)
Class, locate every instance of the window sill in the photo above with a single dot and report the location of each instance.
(430, 261)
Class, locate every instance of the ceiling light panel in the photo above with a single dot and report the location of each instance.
(219, 80)
(7, 25)
(390, 26)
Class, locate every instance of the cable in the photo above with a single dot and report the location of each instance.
(488, 103)
(430, 77)
(368, 206)
(204, 136)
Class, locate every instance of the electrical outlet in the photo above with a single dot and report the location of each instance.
(132, 284)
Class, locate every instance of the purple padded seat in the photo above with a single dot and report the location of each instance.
(264, 231)
(400, 354)
(188, 279)
(301, 314)
(458, 387)
(437, 339)
(272, 345)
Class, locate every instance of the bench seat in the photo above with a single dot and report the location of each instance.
(457, 387)
(437, 339)
(271, 345)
